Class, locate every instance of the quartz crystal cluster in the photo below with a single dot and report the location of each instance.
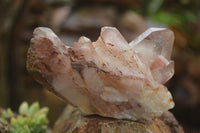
(109, 77)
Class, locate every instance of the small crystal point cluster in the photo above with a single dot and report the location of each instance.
(109, 77)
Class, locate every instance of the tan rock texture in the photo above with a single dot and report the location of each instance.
(73, 121)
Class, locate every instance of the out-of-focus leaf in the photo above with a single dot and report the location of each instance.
(30, 120)
(154, 6)
(189, 16)
(7, 114)
(178, 20)
(167, 18)
(23, 109)
(34, 108)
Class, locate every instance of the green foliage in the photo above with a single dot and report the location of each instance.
(154, 6)
(174, 19)
(31, 119)
(7, 114)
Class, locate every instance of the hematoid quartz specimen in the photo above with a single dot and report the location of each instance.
(109, 77)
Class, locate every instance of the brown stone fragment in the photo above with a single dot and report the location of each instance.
(73, 121)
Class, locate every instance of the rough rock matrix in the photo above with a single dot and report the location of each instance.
(109, 77)
(73, 121)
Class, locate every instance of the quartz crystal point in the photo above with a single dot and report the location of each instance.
(109, 77)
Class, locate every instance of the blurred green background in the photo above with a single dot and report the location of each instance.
(71, 19)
